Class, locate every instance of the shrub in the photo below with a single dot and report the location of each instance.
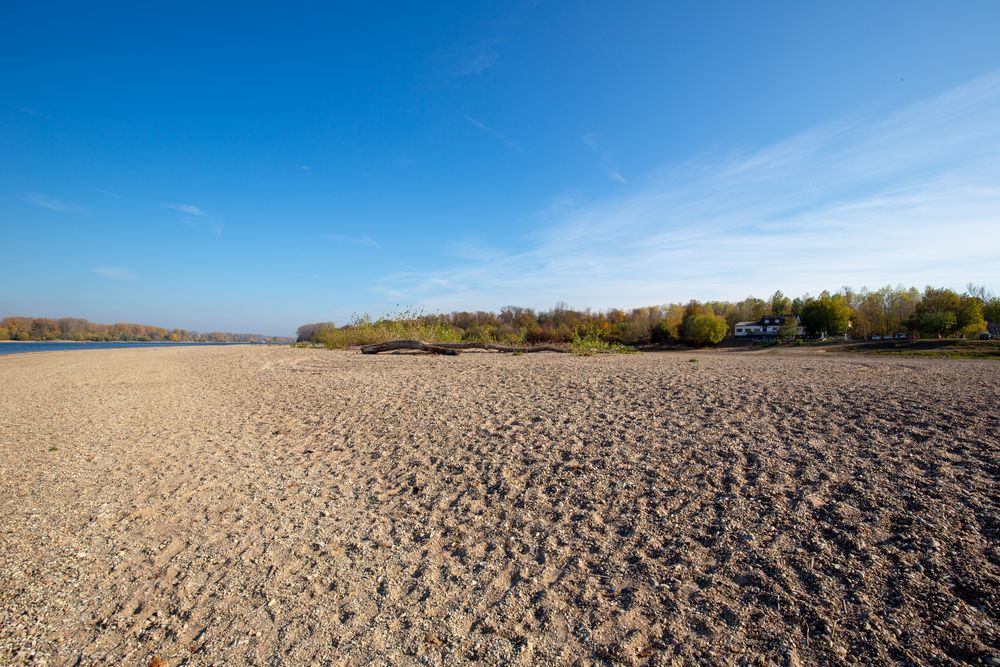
(403, 325)
(660, 333)
(591, 343)
(703, 328)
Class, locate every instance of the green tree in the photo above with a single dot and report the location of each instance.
(780, 304)
(969, 319)
(991, 312)
(789, 329)
(826, 315)
(933, 322)
(661, 333)
(942, 312)
(701, 326)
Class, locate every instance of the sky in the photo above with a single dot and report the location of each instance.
(255, 166)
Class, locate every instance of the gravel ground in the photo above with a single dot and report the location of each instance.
(270, 505)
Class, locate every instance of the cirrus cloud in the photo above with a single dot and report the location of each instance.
(908, 195)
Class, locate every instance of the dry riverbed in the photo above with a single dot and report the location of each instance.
(270, 505)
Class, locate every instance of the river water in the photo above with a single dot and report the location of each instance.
(15, 347)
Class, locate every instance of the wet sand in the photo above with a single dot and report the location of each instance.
(268, 505)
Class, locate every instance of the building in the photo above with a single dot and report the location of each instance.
(766, 327)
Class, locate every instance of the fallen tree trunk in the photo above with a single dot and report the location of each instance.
(391, 345)
(501, 348)
(451, 348)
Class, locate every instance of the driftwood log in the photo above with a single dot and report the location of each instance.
(391, 345)
(451, 348)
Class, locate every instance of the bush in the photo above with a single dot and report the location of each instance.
(404, 325)
(660, 333)
(591, 343)
(703, 328)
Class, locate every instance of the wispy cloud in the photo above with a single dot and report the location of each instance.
(475, 249)
(186, 208)
(210, 225)
(196, 218)
(114, 272)
(33, 112)
(108, 193)
(475, 122)
(468, 59)
(909, 195)
(362, 239)
(479, 53)
(481, 57)
(607, 157)
(303, 167)
(50, 203)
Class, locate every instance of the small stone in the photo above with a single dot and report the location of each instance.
(992, 660)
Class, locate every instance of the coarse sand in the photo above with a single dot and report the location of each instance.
(272, 505)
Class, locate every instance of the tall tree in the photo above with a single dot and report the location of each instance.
(780, 304)
(826, 315)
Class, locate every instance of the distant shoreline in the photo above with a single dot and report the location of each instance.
(158, 342)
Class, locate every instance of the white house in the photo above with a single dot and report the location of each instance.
(766, 327)
(749, 329)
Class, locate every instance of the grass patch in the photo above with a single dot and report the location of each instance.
(407, 324)
(591, 344)
(938, 348)
(943, 354)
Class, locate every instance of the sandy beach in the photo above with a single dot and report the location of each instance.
(270, 505)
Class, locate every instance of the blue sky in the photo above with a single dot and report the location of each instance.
(254, 166)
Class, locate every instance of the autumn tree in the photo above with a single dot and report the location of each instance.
(307, 332)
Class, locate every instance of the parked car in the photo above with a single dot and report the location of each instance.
(984, 336)
(876, 337)
(901, 336)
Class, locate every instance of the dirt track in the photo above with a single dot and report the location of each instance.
(275, 505)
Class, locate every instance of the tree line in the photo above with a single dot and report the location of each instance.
(859, 313)
(76, 329)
